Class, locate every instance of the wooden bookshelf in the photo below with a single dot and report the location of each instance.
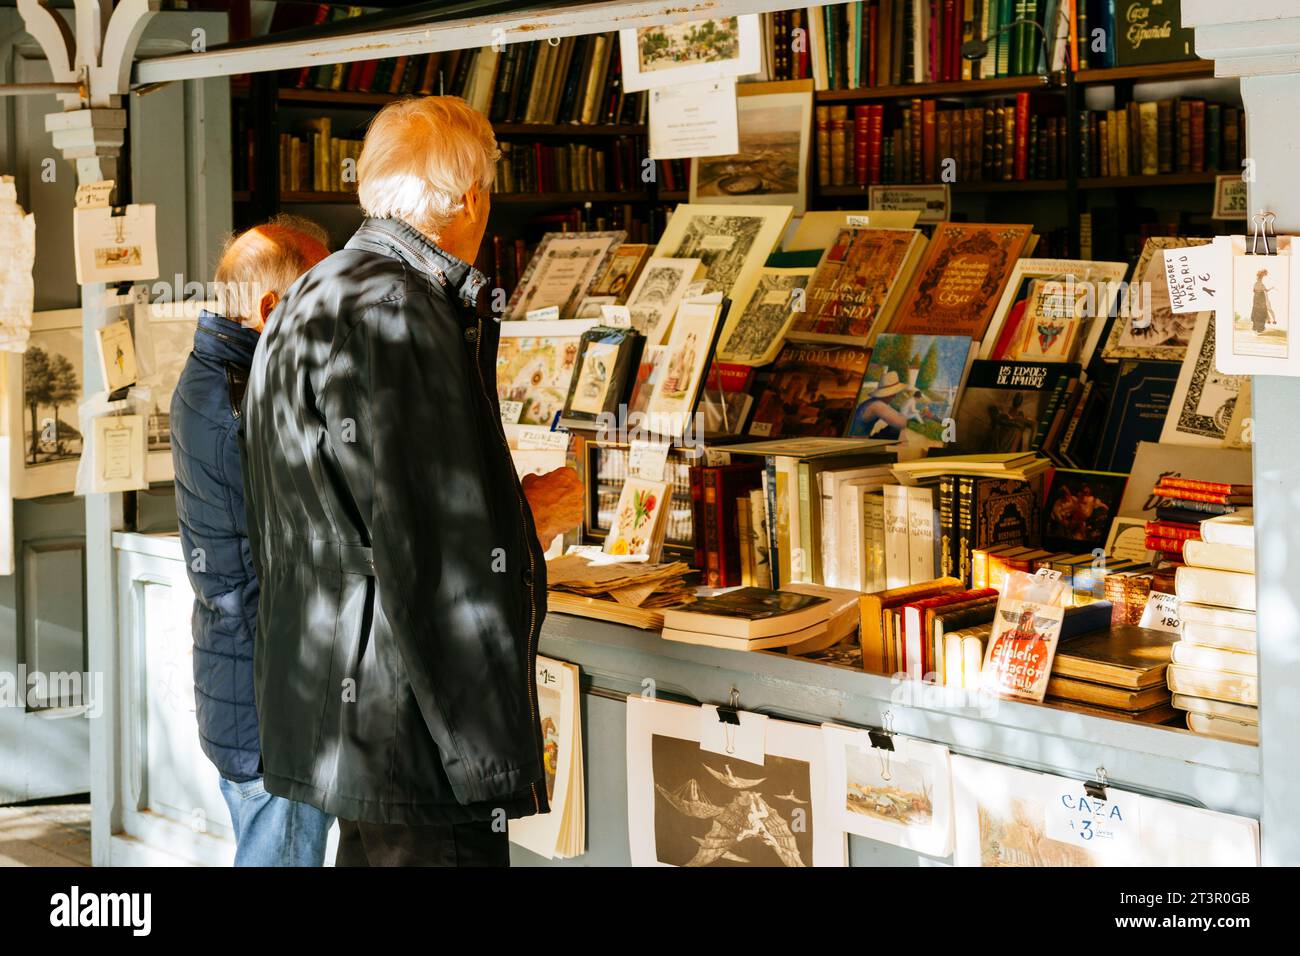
(996, 85)
(1149, 182)
(985, 186)
(1150, 72)
(306, 197)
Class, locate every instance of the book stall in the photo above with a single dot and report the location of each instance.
(925, 368)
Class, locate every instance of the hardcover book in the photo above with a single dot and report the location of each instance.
(561, 271)
(1139, 405)
(1124, 656)
(1003, 403)
(754, 336)
(1151, 31)
(961, 279)
(859, 281)
(749, 613)
(810, 391)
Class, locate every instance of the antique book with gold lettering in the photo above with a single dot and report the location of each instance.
(960, 281)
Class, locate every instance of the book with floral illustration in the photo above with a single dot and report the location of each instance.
(640, 519)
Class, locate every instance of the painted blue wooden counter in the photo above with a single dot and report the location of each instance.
(617, 661)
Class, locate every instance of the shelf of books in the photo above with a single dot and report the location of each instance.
(939, 452)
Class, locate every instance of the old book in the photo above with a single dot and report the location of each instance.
(1214, 685)
(1104, 695)
(810, 391)
(1003, 402)
(1216, 708)
(1149, 117)
(1221, 588)
(1161, 713)
(755, 335)
(1225, 728)
(898, 565)
(1139, 406)
(1223, 557)
(960, 281)
(721, 486)
(873, 608)
(919, 653)
(1216, 635)
(922, 539)
(749, 613)
(858, 284)
(1215, 659)
(873, 535)
(729, 642)
(1234, 530)
(1151, 33)
(1124, 656)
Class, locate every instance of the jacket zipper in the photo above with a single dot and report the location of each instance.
(532, 562)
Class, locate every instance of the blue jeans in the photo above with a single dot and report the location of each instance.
(274, 831)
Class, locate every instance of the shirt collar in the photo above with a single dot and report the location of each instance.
(409, 244)
(224, 338)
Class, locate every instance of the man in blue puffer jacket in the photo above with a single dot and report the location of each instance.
(256, 269)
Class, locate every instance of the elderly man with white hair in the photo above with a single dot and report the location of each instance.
(402, 578)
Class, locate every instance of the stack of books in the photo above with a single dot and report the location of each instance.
(750, 619)
(1184, 504)
(1215, 673)
(1118, 672)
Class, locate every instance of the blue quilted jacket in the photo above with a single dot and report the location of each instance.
(205, 418)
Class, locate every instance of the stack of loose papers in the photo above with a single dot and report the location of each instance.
(562, 831)
(626, 593)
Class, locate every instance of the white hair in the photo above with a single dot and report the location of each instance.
(421, 156)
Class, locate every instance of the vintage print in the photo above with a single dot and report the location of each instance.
(692, 807)
(686, 358)
(535, 363)
(860, 274)
(1080, 506)
(1201, 412)
(771, 163)
(674, 53)
(653, 300)
(1261, 293)
(561, 271)
(1148, 327)
(732, 241)
(638, 517)
(754, 336)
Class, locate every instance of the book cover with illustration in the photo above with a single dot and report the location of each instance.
(911, 388)
(811, 390)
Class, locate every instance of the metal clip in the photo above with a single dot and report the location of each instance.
(1261, 230)
(729, 713)
(883, 738)
(1096, 788)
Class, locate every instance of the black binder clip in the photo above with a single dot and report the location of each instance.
(729, 713)
(1261, 231)
(1096, 788)
(883, 738)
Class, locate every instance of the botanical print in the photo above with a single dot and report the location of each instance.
(770, 165)
(594, 378)
(52, 373)
(1260, 302)
(675, 45)
(637, 517)
(561, 271)
(653, 300)
(911, 387)
(1149, 328)
(754, 336)
(853, 282)
(536, 369)
(691, 806)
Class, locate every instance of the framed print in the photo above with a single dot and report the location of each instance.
(43, 390)
(562, 269)
(164, 338)
(754, 336)
(1080, 506)
(653, 301)
(686, 359)
(639, 518)
(902, 797)
(607, 359)
(1201, 410)
(688, 806)
(771, 164)
(733, 242)
(621, 272)
(535, 363)
(1100, 279)
(1148, 327)
(672, 53)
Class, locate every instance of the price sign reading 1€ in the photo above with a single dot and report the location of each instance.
(1105, 827)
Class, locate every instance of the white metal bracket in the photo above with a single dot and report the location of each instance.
(98, 55)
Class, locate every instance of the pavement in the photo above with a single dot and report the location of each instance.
(45, 834)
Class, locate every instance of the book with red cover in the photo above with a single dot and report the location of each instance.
(1164, 491)
(1174, 530)
(916, 650)
(1021, 171)
(861, 144)
(957, 286)
(722, 486)
(929, 162)
(1212, 487)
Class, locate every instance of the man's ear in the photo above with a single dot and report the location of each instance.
(267, 305)
(474, 203)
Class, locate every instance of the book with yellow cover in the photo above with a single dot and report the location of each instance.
(1125, 656)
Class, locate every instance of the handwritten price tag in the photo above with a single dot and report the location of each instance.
(510, 412)
(1106, 827)
(544, 314)
(616, 316)
(647, 459)
(1191, 276)
(1161, 613)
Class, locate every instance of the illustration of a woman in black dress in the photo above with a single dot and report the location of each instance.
(1261, 312)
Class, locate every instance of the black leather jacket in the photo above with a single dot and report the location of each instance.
(402, 582)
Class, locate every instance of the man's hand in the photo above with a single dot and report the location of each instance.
(556, 501)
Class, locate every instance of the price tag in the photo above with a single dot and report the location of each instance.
(1047, 574)
(543, 314)
(1191, 276)
(1161, 613)
(510, 412)
(540, 438)
(1106, 827)
(857, 222)
(616, 316)
(648, 459)
(94, 195)
(714, 457)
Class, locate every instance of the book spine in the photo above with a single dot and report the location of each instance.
(920, 534)
(1211, 487)
(965, 527)
(897, 558)
(697, 518)
(1188, 495)
(948, 526)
